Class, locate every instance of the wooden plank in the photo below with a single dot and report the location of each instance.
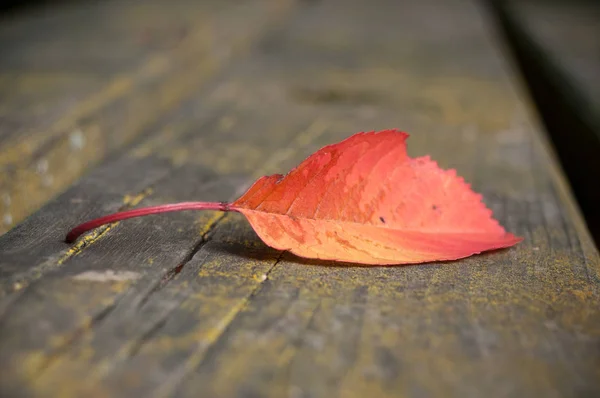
(557, 46)
(154, 264)
(189, 305)
(94, 79)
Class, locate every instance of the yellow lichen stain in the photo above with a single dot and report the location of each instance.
(206, 272)
(85, 241)
(207, 225)
(134, 200)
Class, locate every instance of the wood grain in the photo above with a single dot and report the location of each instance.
(195, 305)
(80, 83)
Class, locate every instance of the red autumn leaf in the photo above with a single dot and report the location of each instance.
(362, 200)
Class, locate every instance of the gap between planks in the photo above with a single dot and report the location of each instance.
(314, 130)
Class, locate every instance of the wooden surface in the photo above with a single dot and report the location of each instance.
(558, 45)
(193, 304)
(82, 80)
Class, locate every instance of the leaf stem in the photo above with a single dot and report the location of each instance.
(124, 215)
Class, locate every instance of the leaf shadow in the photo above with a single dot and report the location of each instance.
(260, 252)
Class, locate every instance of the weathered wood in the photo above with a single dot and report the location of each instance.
(195, 305)
(558, 49)
(83, 81)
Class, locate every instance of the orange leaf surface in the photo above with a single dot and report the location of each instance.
(363, 200)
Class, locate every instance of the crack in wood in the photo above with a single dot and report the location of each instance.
(176, 270)
(133, 347)
(198, 355)
(19, 284)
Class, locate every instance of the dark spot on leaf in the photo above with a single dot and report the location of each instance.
(382, 219)
(434, 207)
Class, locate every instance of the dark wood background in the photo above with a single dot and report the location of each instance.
(110, 105)
(557, 47)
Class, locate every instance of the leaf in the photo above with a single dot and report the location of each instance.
(363, 200)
